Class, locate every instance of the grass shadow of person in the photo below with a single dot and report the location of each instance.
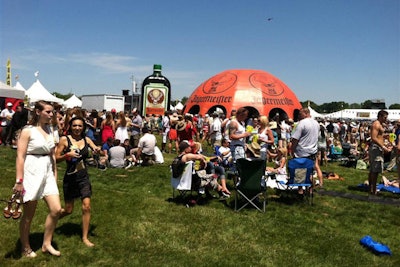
(36, 241)
(72, 229)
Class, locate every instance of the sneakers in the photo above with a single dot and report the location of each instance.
(130, 164)
(223, 195)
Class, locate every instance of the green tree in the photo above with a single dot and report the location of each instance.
(62, 96)
(394, 106)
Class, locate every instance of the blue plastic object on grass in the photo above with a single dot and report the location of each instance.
(376, 247)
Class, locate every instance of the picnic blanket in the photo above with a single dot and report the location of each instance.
(382, 187)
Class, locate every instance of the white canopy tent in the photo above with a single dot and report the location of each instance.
(18, 85)
(363, 114)
(11, 92)
(315, 114)
(179, 106)
(72, 102)
(38, 92)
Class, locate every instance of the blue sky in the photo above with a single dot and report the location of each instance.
(324, 50)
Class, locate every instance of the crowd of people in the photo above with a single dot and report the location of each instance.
(110, 139)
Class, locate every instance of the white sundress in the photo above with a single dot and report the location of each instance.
(39, 180)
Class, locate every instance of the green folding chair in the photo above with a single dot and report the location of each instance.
(250, 185)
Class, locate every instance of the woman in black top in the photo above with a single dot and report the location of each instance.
(74, 149)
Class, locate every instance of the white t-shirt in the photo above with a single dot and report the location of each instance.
(117, 156)
(216, 129)
(147, 143)
(6, 116)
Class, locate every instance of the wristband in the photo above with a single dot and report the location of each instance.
(67, 157)
(19, 180)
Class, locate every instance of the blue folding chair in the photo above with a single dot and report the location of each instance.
(300, 176)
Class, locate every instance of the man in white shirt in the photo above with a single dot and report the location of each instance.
(5, 117)
(304, 142)
(216, 135)
(145, 149)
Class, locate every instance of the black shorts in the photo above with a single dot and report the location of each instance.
(77, 185)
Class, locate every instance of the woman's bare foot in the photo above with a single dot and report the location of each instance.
(87, 242)
(51, 250)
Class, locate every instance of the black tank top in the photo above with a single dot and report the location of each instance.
(84, 152)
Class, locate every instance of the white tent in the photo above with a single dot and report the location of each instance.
(179, 106)
(37, 92)
(72, 102)
(315, 114)
(18, 85)
(11, 92)
(363, 114)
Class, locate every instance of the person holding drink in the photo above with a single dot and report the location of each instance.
(74, 149)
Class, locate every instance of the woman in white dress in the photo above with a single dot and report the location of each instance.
(36, 176)
(122, 130)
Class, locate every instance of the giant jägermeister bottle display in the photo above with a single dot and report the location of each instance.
(156, 93)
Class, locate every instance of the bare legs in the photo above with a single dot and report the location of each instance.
(319, 173)
(86, 221)
(25, 227)
(86, 208)
(53, 202)
(372, 179)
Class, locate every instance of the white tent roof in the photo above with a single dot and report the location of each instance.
(179, 106)
(363, 114)
(315, 114)
(11, 92)
(72, 102)
(37, 92)
(18, 85)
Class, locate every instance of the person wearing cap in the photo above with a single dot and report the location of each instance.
(136, 126)
(5, 117)
(216, 130)
(186, 154)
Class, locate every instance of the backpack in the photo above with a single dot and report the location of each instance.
(177, 167)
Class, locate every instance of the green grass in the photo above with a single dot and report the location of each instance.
(135, 224)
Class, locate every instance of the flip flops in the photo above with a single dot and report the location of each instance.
(13, 208)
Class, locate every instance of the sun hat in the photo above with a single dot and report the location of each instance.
(254, 148)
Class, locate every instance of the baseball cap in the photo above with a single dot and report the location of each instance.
(113, 110)
(9, 104)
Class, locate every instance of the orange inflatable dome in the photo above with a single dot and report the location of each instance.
(257, 90)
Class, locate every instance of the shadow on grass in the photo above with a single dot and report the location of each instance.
(382, 198)
(190, 200)
(73, 229)
(35, 239)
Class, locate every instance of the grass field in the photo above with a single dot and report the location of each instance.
(135, 223)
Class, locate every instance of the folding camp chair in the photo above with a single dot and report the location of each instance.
(183, 183)
(250, 186)
(300, 176)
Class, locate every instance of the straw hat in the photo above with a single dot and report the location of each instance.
(254, 148)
